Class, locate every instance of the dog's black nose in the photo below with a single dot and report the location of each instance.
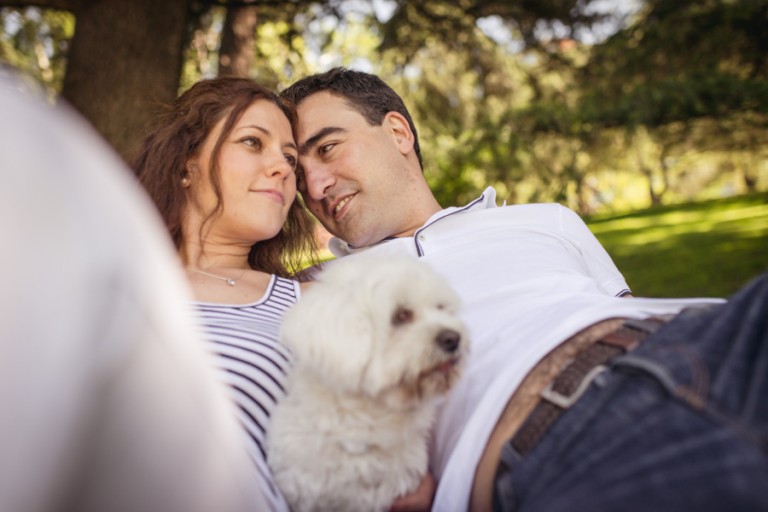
(448, 340)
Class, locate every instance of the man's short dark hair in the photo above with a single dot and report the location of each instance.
(366, 93)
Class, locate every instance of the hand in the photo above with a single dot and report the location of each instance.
(419, 500)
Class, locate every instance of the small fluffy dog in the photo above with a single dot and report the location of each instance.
(375, 341)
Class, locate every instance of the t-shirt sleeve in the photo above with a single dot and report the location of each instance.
(596, 259)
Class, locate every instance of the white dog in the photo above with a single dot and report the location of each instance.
(375, 341)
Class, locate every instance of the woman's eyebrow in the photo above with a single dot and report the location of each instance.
(255, 126)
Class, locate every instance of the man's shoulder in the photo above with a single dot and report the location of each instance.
(528, 211)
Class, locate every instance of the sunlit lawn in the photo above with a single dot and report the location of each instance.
(709, 248)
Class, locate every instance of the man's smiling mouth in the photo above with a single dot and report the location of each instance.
(340, 205)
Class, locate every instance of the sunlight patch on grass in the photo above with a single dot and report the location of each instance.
(709, 248)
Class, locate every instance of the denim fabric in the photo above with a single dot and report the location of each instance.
(679, 424)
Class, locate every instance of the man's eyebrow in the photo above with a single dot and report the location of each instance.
(313, 140)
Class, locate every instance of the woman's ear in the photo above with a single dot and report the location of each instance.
(400, 130)
(190, 169)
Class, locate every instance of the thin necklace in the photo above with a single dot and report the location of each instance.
(228, 280)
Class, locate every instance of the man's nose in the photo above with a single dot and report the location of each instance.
(319, 180)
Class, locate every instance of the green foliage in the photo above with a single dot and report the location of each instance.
(201, 54)
(656, 106)
(35, 42)
(454, 22)
(707, 248)
(679, 61)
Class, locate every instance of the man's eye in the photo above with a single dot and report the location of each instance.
(325, 148)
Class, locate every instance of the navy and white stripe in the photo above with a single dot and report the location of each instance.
(252, 361)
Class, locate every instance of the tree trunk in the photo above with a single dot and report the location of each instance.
(238, 35)
(664, 167)
(648, 173)
(124, 63)
(749, 168)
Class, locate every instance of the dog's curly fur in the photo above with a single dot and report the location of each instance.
(375, 341)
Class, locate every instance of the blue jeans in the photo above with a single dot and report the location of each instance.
(679, 424)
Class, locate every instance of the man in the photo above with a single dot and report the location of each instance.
(576, 396)
(108, 400)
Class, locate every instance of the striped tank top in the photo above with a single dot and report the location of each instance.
(253, 363)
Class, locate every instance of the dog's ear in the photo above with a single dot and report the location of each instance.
(330, 334)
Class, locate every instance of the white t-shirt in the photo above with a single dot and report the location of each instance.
(529, 276)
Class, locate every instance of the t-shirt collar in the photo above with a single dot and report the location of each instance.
(487, 199)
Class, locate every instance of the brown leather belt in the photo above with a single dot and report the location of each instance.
(568, 386)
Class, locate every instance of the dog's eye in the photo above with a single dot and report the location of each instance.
(402, 316)
(441, 306)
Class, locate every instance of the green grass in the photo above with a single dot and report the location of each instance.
(708, 248)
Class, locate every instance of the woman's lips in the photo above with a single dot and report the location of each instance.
(275, 195)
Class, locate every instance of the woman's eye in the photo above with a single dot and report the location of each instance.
(291, 160)
(252, 142)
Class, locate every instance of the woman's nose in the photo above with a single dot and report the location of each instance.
(278, 165)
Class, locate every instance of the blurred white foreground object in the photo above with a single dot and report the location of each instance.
(107, 399)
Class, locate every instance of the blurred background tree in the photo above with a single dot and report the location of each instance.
(603, 105)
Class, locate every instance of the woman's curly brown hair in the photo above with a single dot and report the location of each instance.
(179, 133)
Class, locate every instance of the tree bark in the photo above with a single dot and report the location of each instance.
(124, 63)
(238, 36)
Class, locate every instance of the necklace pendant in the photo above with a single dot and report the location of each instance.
(231, 282)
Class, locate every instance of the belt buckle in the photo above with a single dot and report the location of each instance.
(566, 401)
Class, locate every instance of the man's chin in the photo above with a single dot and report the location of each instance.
(354, 234)
(354, 238)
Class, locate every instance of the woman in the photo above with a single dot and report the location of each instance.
(220, 166)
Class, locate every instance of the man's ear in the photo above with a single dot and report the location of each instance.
(398, 127)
